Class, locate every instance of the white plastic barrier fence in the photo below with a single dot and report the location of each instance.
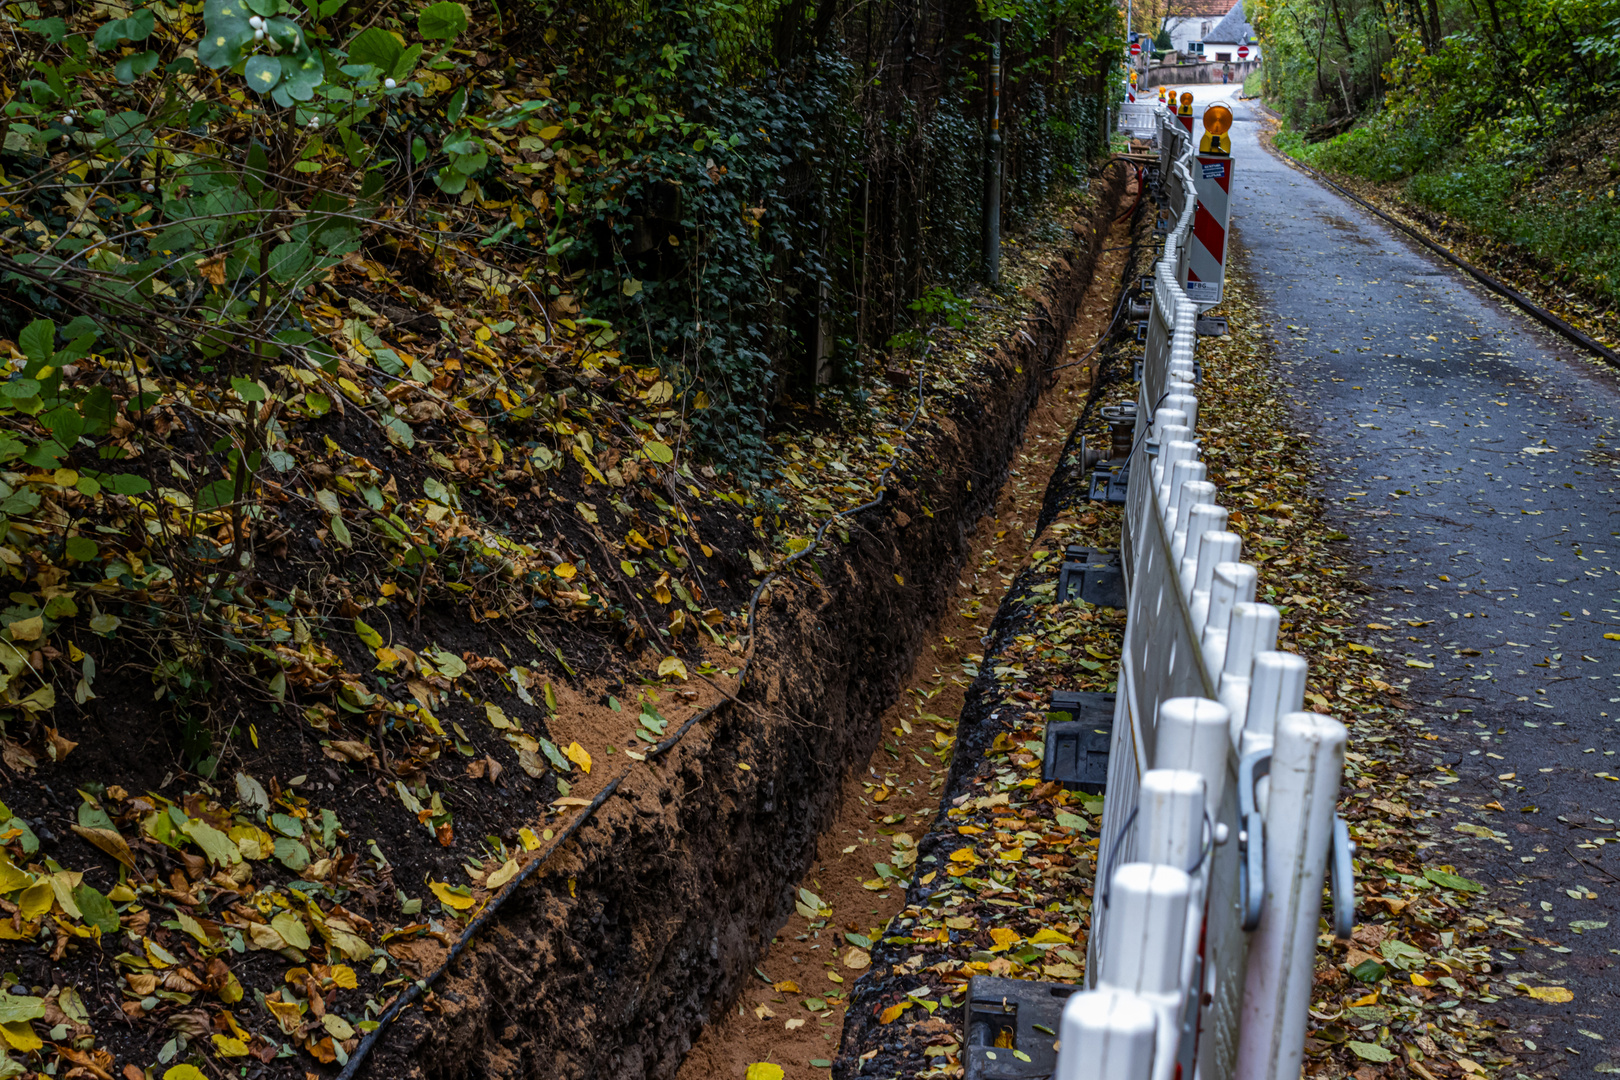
(1139, 119)
(1219, 823)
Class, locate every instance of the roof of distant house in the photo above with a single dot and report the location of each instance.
(1233, 29)
(1199, 9)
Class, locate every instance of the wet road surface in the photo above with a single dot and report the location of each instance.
(1473, 460)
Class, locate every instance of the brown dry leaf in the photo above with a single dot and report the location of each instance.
(212, 269)
(16, 758)
(350, 750)
(857, 958)
(57, 745)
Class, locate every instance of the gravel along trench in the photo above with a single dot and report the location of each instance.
(792, 1013)
(1468, 458)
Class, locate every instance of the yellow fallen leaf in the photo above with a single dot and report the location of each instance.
(531, 842)
(1418, 980)
(786, 986)
(253, 842)
(19, 1035)
(226, 1046)
(857, 958)
(367, 634)
(27, 629)
(450, 899)
(109, 841)
(11, 877)
(1048, 936)
(287, 1013)
(578, 755)
(1369, 999)
(672, 666)
(36, 900)
(343, 975)
(966, 857)
(1555, 995)
(764, 1070)
(265, 938)
(1612, 637)
(892, 1013)
(565, 571)
(502, 876)
(1004, 938)
(795, 1024)
(184, 1072)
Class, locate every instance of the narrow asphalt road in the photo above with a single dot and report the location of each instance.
(1473, 460)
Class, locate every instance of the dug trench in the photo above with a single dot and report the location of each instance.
(611, 959)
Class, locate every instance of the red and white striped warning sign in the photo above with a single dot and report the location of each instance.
(1206, 247)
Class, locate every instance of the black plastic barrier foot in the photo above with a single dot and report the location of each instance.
(1012, 1027)
(1077, 749)
(1092, 575)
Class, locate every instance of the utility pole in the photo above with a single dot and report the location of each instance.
(992, 162)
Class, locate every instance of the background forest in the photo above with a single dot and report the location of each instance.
(1496, 114)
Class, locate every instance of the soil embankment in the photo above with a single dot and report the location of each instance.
(613, 957)
(793, 1012)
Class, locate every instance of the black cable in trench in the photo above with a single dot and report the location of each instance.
(420, 986)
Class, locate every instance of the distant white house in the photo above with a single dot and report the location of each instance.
(1211, 28)
(1222, 41)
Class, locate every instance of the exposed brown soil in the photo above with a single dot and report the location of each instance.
(771, 1021)
(611, 958)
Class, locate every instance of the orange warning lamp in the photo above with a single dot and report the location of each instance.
(1186, 103)
(1133, 80)
(1217, 122)
(1161, 95)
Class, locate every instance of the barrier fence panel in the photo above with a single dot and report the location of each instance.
(1209, 889)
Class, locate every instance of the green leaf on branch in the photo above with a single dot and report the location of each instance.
(38, 342)
(442, 21)
(223, 41)
(130, 68)
(262, 73)
(376, 47)
(138, 27)
(247, 389)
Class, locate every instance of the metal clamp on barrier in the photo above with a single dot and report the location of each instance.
(1252, 839)
(1344, 880)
